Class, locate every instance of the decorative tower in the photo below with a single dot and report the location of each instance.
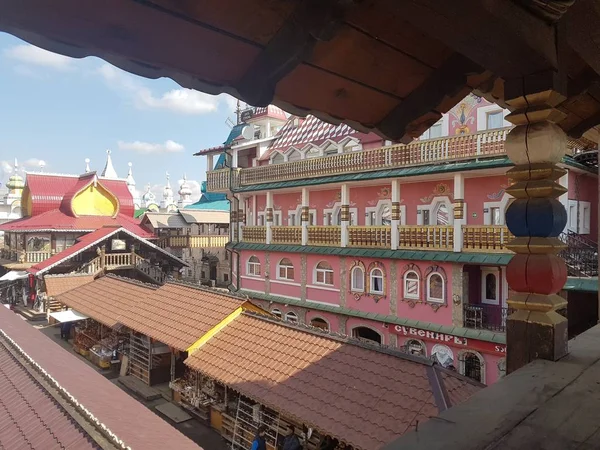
(148, 198)
(185, 193)
(87, 165)
(15, 186)
(137, 201)
(109, 171)
(168, 200)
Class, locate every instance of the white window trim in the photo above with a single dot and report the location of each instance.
(298, 213)
(483, 112)
(584, 225)
(248, 263)
(423, 345)
(279, 267)
(309, 147)
(445, 128)
(370, 328)
(490, 271)
(258, 218)
(278, 311)
(352, 287)
(376, 210)
(432, 208)
(331, 143)
(316, 271)
(289, 151)
(320, 318)
(404, 279)
(461, 363)
(334, 210)
(347, 140)
(502, 204)
(287, 317)
(274, 155)
(431, 299)
(277, 213)
(371, 290)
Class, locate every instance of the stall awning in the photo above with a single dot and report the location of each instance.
(68, 316)
(14, 275)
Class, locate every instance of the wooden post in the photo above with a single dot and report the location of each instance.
(395, 213)
(305, 215)
(459, 211)
(102, 255)
(345, 215)
(269, 217)
(536, 218)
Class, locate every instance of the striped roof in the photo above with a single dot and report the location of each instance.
(268, 111)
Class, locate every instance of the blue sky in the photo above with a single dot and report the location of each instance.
(62, 110)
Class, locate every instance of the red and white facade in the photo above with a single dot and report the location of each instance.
(403, 245)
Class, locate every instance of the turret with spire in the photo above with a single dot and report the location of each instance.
(167, 194)
(109, 171)
(148, 198)
(185, 193)
(87, 165)
(137, 201)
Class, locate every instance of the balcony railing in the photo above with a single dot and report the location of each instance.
(380, 237)
(486, 144)
(488, 238)
(286, 235)
(255, 234)
(485, 317)
(326, 236)
(25, 257)
(432, 237)
(193, 241)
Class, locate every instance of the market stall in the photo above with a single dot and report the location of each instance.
(102, 345)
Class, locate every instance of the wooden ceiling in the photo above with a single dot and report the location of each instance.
(380, 65)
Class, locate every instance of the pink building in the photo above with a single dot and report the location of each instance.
(402, 245)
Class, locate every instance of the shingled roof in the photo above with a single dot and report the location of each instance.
(362, 396)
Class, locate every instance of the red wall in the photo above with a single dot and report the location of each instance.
(480, 190)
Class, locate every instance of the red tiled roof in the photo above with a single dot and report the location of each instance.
(363, 397)
(132, 423)
(121, 191)
(56, 220)
(59, 284)
(269, 111)
(206, 151)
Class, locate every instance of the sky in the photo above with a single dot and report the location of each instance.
(62, 110)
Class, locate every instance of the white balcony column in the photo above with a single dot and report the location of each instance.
(234, 158)
(210, 162)
(305, 215)
(269, 217)
(254, 212)
(459, 211)
(241, 216)
(395, 213)
(345, 215)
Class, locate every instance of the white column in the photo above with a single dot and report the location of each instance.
(395, 213)
(254, 212)
(233, 227)
(459, 211)
(269, 217)
(304, 215)
(345, 214)
(209, 162)
(234, 158)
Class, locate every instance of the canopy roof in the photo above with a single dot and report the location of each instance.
(381, 65)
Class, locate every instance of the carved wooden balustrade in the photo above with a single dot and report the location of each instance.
(431, 237)
(326, 236)
(484, 144)
(255, 234)
(486, 238)
(193, 241)
(286, 235)
(380, 237)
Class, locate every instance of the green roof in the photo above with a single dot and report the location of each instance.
(139, 212)
(582, 284)
(482, 335)
(218, 205)
(499, 259)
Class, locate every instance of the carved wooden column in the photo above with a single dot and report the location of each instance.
(459, 211)
(305, 215)
(233, 219)
(269, 217)
(345, 215)
(395, 213)
(241, 217)
(536, 218)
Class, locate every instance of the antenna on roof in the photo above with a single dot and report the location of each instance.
(229, 123)
(238, 112)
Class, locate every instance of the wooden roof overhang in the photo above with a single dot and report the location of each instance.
(379, 65)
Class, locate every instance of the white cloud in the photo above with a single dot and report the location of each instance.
(181, 101)
(148, 147)
(29, 54)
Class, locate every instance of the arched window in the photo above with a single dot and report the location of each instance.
(276, 312)
(471, 365)
(442, 216)
(357, 279)
(291, 317)
(277, 158)
(443, 355)
(376, 284)
(435, 288)
(294, 155)
(324, 273)
(490, 286)
(385, 215)
(317, 322)
(411, 285)
(285, 270)
(253, 267)
(366, 334)
(416, 347)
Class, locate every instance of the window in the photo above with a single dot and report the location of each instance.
(470, 366)
(490, 291)
(376, 286)
(435, 131)
(490, 286)
(322, 324)
(443, 355)
(291, 317)
(278, 158)
(294, 155)
(226, 256)
(411, 285)
(313, 152)
(435, 288)
(495, 215)
(261, 219)
(292, 219)
(63, 241)
(386, 215)
(253, 268)
(277, 218)
(366, 334)
(324, 274)
(285, 270)
(39, 244)
(358, 279)
(331, 150)
(225, 277)
(442, 217)
(371, 219)
(276, 313)
(415, 347)
(426, 219)
(312, 219)
(328, 219)
(494, 120)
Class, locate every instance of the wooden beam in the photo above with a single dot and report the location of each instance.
(578, 130)
(583, 33)
(446, 81)
(312, 20)
(498, 35)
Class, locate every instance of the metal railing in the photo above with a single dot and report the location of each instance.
(485, 317)
(581, 255)
(485, 144)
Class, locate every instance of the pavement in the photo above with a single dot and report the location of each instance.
(201, 434)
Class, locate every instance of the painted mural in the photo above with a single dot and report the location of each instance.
(463, 117)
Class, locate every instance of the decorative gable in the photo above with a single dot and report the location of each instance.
(94, 200)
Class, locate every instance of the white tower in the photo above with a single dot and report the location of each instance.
(109, 171)
(137, 201)
(87, 165)
(148, 198)
(167, 195)
(185, 193)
